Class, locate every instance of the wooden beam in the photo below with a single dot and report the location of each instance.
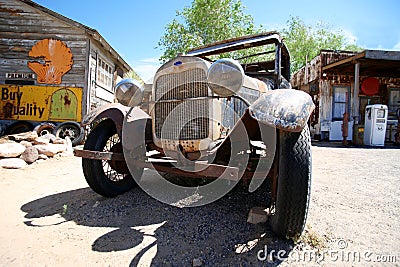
(352, 59)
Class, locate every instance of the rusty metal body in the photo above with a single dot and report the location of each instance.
(202, 140)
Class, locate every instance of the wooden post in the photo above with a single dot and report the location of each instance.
(356, 106)
(345, 124)
(356, 102)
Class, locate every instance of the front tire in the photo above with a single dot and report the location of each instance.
(294, 184)
(107, 178)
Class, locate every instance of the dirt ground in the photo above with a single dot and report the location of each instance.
(49, 217)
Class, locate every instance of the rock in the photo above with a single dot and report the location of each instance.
(30, 155)
(40, 161)
(69, 150)
(257, 215)
(28, 136)
(11, 150)
(43, 156)
(41, 141)
(50, 149)
(197, 262)
(12, 163)
(58, 140)
(4, 140)
(50, 137)
(26, 143)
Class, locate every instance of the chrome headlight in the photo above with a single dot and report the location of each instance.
(129, 92)
(225, 77)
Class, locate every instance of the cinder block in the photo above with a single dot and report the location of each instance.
(257, 215)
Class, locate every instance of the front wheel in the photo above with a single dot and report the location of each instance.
(294, 183)
(106, 177)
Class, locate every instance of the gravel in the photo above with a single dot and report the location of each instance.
(51, 217)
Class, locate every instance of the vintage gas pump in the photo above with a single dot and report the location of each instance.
(375, 125)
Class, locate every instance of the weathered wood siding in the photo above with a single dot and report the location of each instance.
(22, 26)
(98, 95)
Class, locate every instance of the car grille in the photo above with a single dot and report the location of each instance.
(180, 86)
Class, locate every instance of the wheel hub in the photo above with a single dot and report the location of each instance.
(118, 166)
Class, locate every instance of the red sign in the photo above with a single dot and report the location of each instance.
(370, 86)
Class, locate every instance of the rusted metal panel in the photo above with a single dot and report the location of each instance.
(99, 155)
(238, 43)
(200, 169)
(40, 103)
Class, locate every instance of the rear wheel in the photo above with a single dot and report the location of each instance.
(44, 128)
(19, 127)
(294, 184)
(107, 178)
(71, 129)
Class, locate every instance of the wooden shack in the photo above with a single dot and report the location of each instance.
(346, 82)
(41, 48)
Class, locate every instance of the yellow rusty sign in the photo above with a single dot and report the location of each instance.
(40, 103)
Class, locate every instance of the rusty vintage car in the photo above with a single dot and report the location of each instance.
(210, 117)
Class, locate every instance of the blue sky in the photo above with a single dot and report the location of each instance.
(134, 28)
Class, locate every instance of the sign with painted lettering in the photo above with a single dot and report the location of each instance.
(20, 76)
(40, 103)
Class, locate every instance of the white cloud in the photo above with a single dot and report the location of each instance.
(350, 36)
(146, 68)
(397, 46)
(150, 60)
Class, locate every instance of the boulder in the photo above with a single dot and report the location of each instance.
(50, 149)
(69, 149)
(12, 163)
(43, 156)
(30, 155)
(50, 137)
(41, 141)
(11, 150)
(28, 136)
(58, 140)
(5, 139)
(26, 143)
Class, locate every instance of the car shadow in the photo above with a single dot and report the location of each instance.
(216, 234)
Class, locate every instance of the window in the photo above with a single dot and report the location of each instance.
(394, 102)
(340, 95)
(104, 74)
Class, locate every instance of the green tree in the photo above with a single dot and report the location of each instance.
(306, 41)
(204, 22)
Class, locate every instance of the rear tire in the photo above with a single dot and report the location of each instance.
(44, 128)
(294, 184)
(71, 129)
(100, 174)
(19, 127)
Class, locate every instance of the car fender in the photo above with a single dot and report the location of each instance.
(114, 111)
(285, 109)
